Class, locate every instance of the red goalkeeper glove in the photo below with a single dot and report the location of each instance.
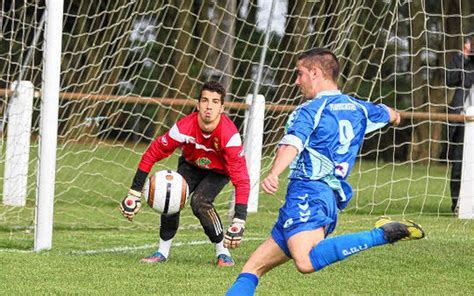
(234, 234)
(131, 204)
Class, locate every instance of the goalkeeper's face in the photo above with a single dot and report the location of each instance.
(210, 107)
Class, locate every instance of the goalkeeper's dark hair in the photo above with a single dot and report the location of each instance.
(213, 86)
(324, 59)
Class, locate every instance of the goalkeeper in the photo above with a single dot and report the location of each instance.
(212, 153)
(321, 143)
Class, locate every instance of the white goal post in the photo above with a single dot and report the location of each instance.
(49, 126)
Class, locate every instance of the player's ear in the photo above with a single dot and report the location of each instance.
(316, 72)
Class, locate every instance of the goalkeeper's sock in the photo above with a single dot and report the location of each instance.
(244, 285)
(220, 249)
(164, 247)
(331, 250)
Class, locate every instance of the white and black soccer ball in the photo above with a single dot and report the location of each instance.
(166, 192)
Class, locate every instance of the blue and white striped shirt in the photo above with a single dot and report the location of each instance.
(328, 132)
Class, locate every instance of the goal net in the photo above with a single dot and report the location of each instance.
(130, 69)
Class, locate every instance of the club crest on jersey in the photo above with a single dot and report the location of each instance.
(216, 143)
(203, 162)
(241, 153)
(164, 141)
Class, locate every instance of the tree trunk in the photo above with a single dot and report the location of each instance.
(420, 148)
(295, 41)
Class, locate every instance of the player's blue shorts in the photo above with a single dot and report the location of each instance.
(309, 205)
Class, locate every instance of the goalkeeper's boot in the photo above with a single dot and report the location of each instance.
(399, 230)
(156, 257)
(224, 260)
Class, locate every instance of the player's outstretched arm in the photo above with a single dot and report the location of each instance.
(158, 149)
(285, 155)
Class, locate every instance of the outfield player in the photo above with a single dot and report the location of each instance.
(320, 145)
(212, 153)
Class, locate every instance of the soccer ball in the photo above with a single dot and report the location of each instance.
(166, 192)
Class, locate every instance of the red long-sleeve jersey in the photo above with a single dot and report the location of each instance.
(220, 151)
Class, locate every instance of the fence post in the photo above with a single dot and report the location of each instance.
(18, 144)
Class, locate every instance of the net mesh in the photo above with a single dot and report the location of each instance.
(131, 68)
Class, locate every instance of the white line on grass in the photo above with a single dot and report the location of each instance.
(149, 246)
(15, 251)
(130, 249)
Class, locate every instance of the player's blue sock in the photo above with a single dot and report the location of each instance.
(340, 247)
(244, 285)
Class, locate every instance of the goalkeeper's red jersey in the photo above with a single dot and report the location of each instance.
(220, 151)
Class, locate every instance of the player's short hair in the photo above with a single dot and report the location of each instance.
(322, 58)
(213, 86)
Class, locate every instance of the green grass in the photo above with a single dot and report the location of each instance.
(96, 251)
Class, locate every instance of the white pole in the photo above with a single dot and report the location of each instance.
(253, 134)
(17, 156)
(48, 125)
(254, 122)
(466, 193)
(253, 147)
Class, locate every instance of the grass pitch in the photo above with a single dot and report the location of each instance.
(97, 252)
(106, 262)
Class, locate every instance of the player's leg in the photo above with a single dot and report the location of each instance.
(455, 184)
(300, 246)
(312, 252)
(168, 228)
(170, 223)
(267, 256)
(203, 208)
(455, 156)
(310, 211)
(273, 252)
